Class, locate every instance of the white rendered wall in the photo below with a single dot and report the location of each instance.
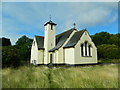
(40, 56)
(60, 53)
(36, 54)
(85, 60)
(69, 56)
(49, 41)
(34, 51)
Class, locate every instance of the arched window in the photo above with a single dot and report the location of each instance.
(86, 48)
(82, 50)
(89, 50)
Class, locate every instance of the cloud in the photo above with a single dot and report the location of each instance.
(29, 17)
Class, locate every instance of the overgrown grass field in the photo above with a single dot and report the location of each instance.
(96, 76)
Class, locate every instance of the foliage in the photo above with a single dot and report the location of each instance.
(105, 76)
(24, 45)
(18, 54)
(108, 46)
(101, 38)
(10, 56)
(109, 61)
(108, 51)
(114, 39)
(24, 40)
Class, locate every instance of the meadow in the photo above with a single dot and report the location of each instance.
(96, 76)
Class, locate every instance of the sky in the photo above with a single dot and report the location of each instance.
(28, 18)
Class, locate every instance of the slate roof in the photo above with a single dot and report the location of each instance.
(50, 22)
(75, 38)
(40, 42)
(61, 38)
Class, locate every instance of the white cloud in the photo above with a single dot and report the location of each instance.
(24, 17)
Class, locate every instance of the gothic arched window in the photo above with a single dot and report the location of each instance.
(82, 50)
(86, 48)
(89, 47)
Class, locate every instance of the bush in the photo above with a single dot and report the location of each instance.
(10, 56)
(107, 51)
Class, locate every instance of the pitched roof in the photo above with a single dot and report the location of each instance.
(75, 38)
(50, 22)
(40, 42)
(61, 38)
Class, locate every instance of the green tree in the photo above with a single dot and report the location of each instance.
(24, 45)
(100, 38)
(107, 51)
(114, 39)
(10, 56)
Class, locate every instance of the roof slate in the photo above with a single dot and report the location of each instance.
(75, 38)
(40, 42)
(61, 38)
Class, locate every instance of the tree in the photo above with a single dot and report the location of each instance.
(24, 45)
(10, 56)
(5, 42)
(24, 40)
(114, 40)
(100, 38)
(108, 51)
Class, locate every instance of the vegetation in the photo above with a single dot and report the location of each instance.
(17, 55)
(18, 74)
(106, 51)
(105, 76)
(108, 46)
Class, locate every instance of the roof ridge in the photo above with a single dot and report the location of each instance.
(66, 31)
(75, 38)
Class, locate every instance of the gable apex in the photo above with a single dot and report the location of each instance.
(50, 22)
(75, 38)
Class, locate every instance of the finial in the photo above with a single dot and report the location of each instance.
(50, 17)
(74, 25)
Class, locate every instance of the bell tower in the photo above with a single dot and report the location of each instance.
(49, 39)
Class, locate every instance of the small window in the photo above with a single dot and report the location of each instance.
(51, 27)
(51, 58)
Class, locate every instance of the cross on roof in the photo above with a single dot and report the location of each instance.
(50, 17)
(74, 25)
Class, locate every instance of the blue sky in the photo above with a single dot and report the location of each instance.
(28, 18)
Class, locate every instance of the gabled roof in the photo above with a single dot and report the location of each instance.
(50, 22)
(40, 42)
(75, 38)
(61, 38)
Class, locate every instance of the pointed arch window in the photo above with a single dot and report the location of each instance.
(86, 48)
(89, 50)
(82, 53)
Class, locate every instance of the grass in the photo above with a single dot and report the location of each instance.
(105, 76)
(109, 61)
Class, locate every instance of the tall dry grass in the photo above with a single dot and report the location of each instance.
(73, 77)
